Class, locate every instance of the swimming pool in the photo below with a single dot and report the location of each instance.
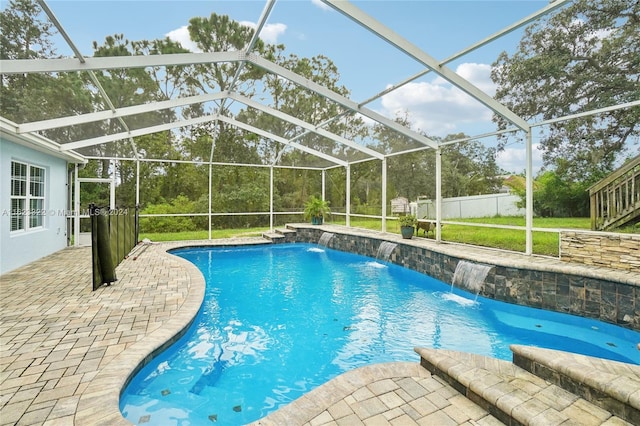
(279, 320)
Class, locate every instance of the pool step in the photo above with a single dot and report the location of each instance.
(280, 236)
(289, 234)
(612, 386)
(511, 394)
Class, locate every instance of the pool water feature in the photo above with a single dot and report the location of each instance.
(325, 239)
(470, 276)
(280, 320)
(385, 249)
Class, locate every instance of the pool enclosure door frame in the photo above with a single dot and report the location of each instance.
(77, 208)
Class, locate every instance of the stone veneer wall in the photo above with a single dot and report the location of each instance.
(618, 251)
(609, 301)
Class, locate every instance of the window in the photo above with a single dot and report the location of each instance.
(27, 196)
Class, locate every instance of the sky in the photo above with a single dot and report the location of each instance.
(367, 64)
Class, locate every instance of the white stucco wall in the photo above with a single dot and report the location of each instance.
(21, 247)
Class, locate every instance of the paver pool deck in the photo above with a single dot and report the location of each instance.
(67, 351)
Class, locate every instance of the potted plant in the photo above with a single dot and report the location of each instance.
(316, 209)
(407, 225)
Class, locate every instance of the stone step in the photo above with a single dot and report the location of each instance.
(280, 236)
(289, 234)
(511, 394)
(274, 237)
(612, 386)
(394, 393)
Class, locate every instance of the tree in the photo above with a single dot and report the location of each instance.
(286, 96)
(127, 87)
(469, 168)
(292, 99)
(408, 175)
(554, 195)
(587, 56)
(170, 80)
(219, 33)
(27, 34)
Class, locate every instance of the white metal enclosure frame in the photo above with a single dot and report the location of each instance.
(247, 56)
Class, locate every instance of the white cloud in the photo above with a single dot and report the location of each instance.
(479, 75)
(321, 5)
(269, 33)
(514, 159)
(436, 107)
(181, 35)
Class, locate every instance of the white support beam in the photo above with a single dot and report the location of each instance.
(342, 100)
(137, 182)
(100, 180)
(112, 185)
(206, 163)
(249, 47)
(37, 126)
(138, 132)
(347, 203)
(529, 195)
(384, 194)
(394, 87)
(76, 207)
(9, 131)
(438, 195)
(480, 136)
(210, 198)
(92, 75)
(198, 120)
(280, 139)
(324, 185)
(587, 113)
(271, 204)
(553, 5)
(25, 66)
(216, 134)
(391, 37)
(300, 123)
(524, 21)
(264, 16)
(268, 7)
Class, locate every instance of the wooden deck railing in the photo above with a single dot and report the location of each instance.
(615, 200)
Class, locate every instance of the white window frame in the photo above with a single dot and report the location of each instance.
(28, 197)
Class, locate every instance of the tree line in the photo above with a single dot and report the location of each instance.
(560, 68)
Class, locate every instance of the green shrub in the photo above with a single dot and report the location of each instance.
(180, 204)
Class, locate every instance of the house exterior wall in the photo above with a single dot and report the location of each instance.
(21, 247)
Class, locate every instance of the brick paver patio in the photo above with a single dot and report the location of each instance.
(66, 351)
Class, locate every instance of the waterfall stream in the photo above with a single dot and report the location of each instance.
(470, 276)
(385, 249)
(325, 238)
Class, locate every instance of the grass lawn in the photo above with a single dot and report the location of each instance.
(203, 235)
(544, 243)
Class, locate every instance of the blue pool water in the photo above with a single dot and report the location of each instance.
(280, 320)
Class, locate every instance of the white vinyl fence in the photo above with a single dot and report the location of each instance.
(489, 205)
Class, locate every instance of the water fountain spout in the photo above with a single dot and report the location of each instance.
(470, 276)
(385, 249)
(325, 238)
